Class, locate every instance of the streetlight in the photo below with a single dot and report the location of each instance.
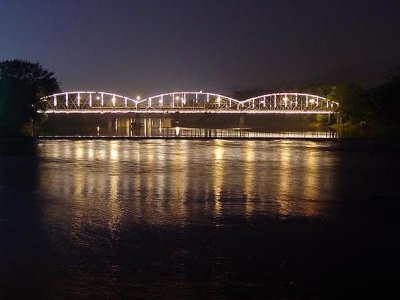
(177, 100)
(286, 99)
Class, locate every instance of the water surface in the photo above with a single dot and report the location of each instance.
(279, 219)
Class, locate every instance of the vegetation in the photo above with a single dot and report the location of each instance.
(377, 107)
(22, 84)
(384, 100)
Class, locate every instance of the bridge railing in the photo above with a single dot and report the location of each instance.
(89, 101)
(290, 101)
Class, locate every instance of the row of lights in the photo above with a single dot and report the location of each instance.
(138, 98)
(113, 98)
(177, 98)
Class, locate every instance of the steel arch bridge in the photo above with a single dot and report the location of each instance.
(87, 102)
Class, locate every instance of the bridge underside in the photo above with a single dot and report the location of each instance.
(132, 124)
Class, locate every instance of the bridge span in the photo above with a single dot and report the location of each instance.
(88, 102)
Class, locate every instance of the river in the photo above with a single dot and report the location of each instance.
(178, 219)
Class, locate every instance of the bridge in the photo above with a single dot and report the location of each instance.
(87, 102)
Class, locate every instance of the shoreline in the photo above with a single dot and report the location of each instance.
(357, 138)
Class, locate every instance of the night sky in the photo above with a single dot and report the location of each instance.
(146, 47)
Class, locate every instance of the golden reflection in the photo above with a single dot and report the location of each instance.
(248, 184)
(78, 150)
(149, 150)
(66, 150)
(77, 192)
(101, 153)
(284, 178)
(311, 189)
(149, 207)
(127, 127)
(56, 153)
(161, 177)
(114, 208)
(90, 152)
(218, 175)
(137, 195)
(108, 183)
(219, 150)
(179, 181)
(114, 150)
(148, 125)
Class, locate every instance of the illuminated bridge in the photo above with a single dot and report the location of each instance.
(85, 102)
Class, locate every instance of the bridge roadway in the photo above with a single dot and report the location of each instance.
(181, 111)
(84, 102)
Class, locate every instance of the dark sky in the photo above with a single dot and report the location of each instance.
(149, 46)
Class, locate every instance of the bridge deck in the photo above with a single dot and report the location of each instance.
(183, 111)
(82, 102)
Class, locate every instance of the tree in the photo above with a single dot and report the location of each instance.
(350, 96)
(22, 84)
(384, 100)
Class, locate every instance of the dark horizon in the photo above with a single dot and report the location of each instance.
(148, 47)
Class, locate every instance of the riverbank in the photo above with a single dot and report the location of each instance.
(365, 130)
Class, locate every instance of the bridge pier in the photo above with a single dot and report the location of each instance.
(241, 121)
(136, 121)
(113, 123)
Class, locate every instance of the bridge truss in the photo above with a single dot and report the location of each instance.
(187, 102)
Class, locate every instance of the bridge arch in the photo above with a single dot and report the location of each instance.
(296, 102)
(190, 100)
(187, 102)
(87, 100)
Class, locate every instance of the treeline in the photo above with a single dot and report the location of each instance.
(376, 107)
(22, 84)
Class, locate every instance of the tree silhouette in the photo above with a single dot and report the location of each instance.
(385, 99)
(22, 84)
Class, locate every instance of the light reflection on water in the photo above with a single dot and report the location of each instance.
(112, 183)
(153, 127)
(148, 218)
(249, 176)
